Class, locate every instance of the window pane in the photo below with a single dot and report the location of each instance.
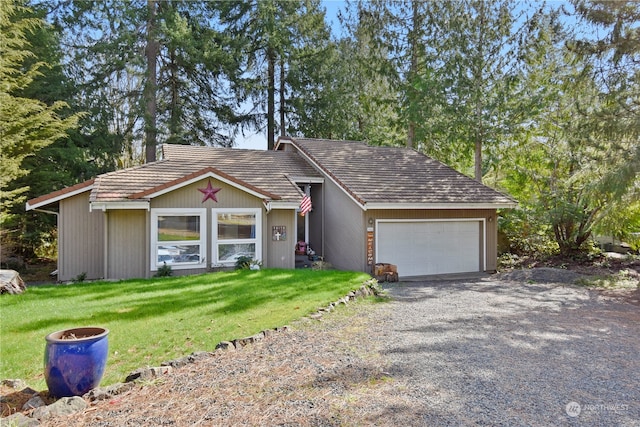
(236, 226)
(176, 228)
(231, 252)
(178, 254)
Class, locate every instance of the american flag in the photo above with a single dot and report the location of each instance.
(305, 205)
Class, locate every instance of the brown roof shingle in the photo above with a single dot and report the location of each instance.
(392, 175)
(264, 172)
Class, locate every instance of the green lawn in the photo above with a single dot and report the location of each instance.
(160, 319)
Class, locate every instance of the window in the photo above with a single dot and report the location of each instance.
(178, 238)
(237, 232)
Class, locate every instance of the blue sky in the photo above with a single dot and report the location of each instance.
(258, 141)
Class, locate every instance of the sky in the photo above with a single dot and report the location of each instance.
(258, 140)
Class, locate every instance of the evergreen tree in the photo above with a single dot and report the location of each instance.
(613, 60)
(152, 71)
(27, 125)
(272, 34)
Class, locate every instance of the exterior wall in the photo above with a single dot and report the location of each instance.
(80, 239)
(280, 254)
(345, 230)
(488, 214)
(316, 219)
(228, 197)
(127, 250)
(190, 197)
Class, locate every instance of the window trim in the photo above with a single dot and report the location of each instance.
(157, 212)
(257, 240)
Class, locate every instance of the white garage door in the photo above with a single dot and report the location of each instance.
(430, 247)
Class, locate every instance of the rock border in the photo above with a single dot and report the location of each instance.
(39, 411)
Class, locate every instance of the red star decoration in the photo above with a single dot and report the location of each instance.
(209, 193)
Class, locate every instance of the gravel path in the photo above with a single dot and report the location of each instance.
(488, 352)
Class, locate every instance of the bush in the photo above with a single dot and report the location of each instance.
(164, 271)
(243, 262)
(526, 233)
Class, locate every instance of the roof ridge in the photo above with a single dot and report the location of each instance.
(132, 168)
(326, 170)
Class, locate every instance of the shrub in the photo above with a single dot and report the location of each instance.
(526, 233)
(164, 271)
(243, 262)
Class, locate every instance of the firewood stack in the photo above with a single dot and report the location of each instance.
(386, 272)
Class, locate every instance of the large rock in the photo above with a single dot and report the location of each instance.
(64, 406)
(20, 420)
(11, 282)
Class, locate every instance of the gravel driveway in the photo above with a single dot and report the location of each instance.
(490, 352)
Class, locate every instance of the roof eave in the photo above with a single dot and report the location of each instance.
(456, 205)
(56, 196)
(284, 205)
(119, 204)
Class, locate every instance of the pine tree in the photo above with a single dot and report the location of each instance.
(27, 125)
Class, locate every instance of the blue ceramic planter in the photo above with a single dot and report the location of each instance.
(74, 360)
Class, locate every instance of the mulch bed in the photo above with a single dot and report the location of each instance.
(320, 373)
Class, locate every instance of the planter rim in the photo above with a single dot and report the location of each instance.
(93, 332)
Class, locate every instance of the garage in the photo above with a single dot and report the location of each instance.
(424, 247)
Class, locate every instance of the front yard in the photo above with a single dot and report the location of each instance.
(156, 320)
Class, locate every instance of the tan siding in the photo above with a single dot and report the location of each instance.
(280, 254)
(345, 232)
(126, 244)
(80, 239)
(316, 227)
(491, 255)
(190, 197)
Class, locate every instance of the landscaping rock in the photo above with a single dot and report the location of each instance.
(104, 393)
(14, 383)
(11, 282)
(35, 402)
(145, 374)
(183, 361)
(225, 345)
(64, 406)
(248, 340)
(20, 420)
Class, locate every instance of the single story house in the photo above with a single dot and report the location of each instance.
(200, 208)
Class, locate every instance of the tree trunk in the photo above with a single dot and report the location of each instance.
(282, 98)
(151, 53)
(413, 72)
(271, 107)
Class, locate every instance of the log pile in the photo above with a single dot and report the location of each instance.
(384, 272)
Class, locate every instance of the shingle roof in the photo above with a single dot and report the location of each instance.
(392, 175)
(264, 172)
(380, 176)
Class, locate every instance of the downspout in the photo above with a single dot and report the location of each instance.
(105, 267)
(322, 222)
(307, 191)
